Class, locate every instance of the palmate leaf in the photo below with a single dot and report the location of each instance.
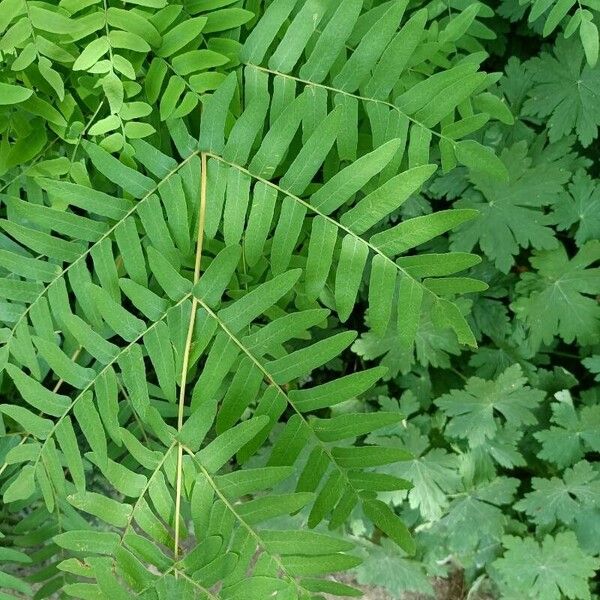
(472, 410)
(558, 95)
(511, 216)
(579, 208)
(573, 433)
(555, 568)
(561, 284)
(480, 506)
(559, 499)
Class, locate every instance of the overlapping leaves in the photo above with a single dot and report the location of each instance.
(167, 304)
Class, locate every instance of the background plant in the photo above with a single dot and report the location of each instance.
(241, 275)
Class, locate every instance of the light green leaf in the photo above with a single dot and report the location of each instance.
(301, 362)
(386, 199)
(352, 425)
(383, 516)
(110, 511)
(220, 450)
(181, 35)
(480, 158)
(13, 94)
(353, 257)
(242, 312)
(418, 230)
(94, 542)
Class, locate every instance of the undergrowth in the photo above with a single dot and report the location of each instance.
(297, 287)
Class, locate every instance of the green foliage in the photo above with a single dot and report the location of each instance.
(555, 569)
(292, 288)
(473, 411)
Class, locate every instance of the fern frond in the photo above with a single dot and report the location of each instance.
(168, 313)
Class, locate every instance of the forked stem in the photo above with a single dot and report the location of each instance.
(187, 349)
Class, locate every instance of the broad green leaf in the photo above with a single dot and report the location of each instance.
(246, 128)
(265, 31)
(62, 365)
(13, 94)
(95, 542)
(220, 450)
(297, 35)
(86, 198)
(268, 339)
(301, 362)
(95, 50)
(43, 243)
(352, 425)
(447, 314)
(353, 257)
(212, 128)
(243, 482)
(331, 41)
(459, 24)
(437, 265)
(480, 158)
(67, 441)
(91, 425)
(588, 32)
(215, 279)
(368, 456)
(386, 199)
(327, 563)
(242, 312)
(259, 221)
(418, 230)
(237, 198)
(35, 394)
(131, 181)
(73, 226)
(130, 328)
(158, 345)
(396, 56)
(23, 485)
(275, 143)
(370, 48)
(108, 510)
(287, 232)
(36, 426)
(449, 286)
(243, 391)
(228, 18)
(106, 390)
(133, 372)
(181, 35)
(175, 285)
(323, 238)
(275, 505)
(313, 154)
(377, 482)
(382, 288)
(557, 13)
(304, 542)
(29, 268)
(383, 516)
(336, 391)
(421, 94)
(410, 297)
(330, 587)
(351, 179)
